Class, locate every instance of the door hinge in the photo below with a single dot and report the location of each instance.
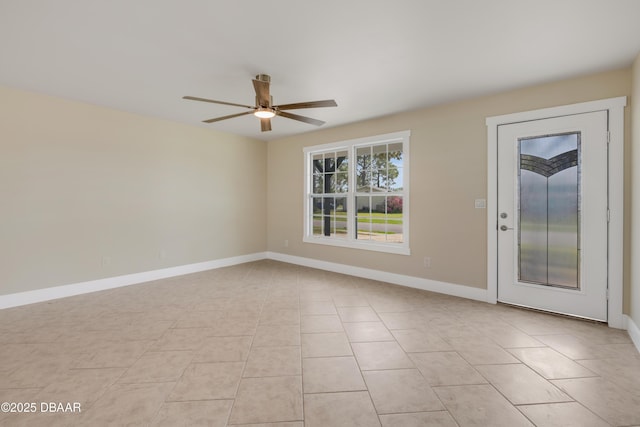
(608, 215)
(607, 294)
(608, 137)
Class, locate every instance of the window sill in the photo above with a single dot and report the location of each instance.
(387, 248)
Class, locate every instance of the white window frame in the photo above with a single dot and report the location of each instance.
(351, 241)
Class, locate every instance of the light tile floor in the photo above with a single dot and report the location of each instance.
(272, 344)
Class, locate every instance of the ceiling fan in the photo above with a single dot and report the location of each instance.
(264, 108)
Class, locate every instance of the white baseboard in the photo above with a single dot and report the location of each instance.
(634, 331)
(383, 276)
(46, 294)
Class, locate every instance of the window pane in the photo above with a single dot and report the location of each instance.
(379, 160)
(318, 184)
(328, 226)
(341, 231)
(394, 219)
(363, 217)
(378, 180)
(363, 204)
(318, 163)
(394, 179)
(343, 161)
(325, 219)
(364, 230)
(363, 159)
(378, 236)
(378, 206)
(378, 218)
(379, 168)
(395, 154)
(394, 205)
(338, 227)
(317, 205)
(317, 225)
(341, 220)
(363, 184)
(329, 162)
(328, 205)
(394, 231)
(342, 182)
(395, 167)
(330, 183)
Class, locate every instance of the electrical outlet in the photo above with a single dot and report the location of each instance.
(286, 243)
(427, 262)
(162, 254)
(106, 261)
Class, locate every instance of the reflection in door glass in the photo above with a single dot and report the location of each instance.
(549, 211)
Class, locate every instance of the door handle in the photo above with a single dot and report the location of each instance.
(505, 228)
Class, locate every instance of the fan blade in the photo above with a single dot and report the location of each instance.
(265, 125)
(217, 119)
(262, 92)
(300, 118)
(194, 98)
(310, 104)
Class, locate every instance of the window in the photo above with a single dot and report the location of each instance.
(356, 193)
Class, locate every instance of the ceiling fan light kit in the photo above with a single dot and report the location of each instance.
(264, 113)
(264, 108)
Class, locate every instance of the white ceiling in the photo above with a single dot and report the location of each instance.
(374, 57)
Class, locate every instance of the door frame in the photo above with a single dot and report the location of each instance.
(615, 109)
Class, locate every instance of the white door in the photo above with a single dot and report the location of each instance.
(552, 214)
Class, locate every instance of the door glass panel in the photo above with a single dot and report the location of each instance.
(533, 227)
(549, 210)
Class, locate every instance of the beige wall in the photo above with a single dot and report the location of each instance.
(635, 197)
(80, 183)
(89, 192)
(448, 171)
